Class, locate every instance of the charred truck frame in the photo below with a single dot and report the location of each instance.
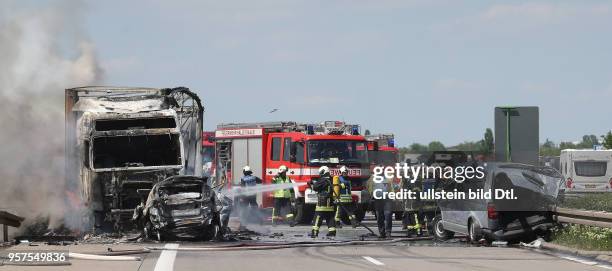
(122, 140)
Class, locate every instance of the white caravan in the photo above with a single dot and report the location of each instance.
(587, 170)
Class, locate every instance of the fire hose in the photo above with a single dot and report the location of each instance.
(269, 246)
(337, 195)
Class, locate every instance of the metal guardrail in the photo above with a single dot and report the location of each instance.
(7, 219)
(583, 217)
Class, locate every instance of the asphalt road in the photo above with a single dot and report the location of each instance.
(414, 255)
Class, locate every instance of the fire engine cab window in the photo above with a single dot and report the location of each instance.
(286, 149)
(299, 153)
(337, 151)
(276, 148)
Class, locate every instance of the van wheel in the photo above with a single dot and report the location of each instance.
(438, 229)
(474, 232)
(547, 235)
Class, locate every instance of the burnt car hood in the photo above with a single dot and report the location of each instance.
(181, 205)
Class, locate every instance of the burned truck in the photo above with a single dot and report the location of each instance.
(122, 141)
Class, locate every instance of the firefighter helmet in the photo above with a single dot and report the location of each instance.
(324, 170)
(246, 169)
(343, 170)
(282, 169)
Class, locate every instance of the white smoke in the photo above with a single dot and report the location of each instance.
(42, 52)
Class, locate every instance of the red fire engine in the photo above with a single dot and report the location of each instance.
(382, 150)
(303, 148)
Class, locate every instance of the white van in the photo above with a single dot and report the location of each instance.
(587, 170)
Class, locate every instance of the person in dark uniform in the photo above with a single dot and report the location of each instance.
(249, 206)
(325, 208)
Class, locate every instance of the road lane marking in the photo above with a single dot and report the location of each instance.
(165, 262)
(604, 266)
(372, 260)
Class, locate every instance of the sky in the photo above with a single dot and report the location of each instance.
(424, 70)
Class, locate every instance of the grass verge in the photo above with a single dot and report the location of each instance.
(584, 237)
(595, 202)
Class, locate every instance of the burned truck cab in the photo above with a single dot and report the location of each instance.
(126, 141)
(128, 153)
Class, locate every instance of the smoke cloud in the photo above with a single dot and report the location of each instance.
(43, 52)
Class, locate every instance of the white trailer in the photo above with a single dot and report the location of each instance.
(587, 170)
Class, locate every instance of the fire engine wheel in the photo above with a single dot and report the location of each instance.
(398, 215)
(360, 213)
(304, 213)
(345, 219)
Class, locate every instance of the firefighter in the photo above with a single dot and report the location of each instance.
(249, 202)
(382, 206)
(325, 204)
(282, 198)
(345, 200)
(413, 208)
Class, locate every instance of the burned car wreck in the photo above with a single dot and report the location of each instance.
(121, 140)
(183, 207)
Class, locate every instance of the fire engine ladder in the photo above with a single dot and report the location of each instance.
(275, 126)
(224, 158)
(223, 150)
(381, 139)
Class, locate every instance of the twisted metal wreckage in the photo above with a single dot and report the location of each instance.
(135, 154)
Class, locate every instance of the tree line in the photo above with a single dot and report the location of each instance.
(550, 148)
(486, 145)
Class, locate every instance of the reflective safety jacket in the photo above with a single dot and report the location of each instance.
(249, 180)
(282, 193)
(324, 189)
(345, 190)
